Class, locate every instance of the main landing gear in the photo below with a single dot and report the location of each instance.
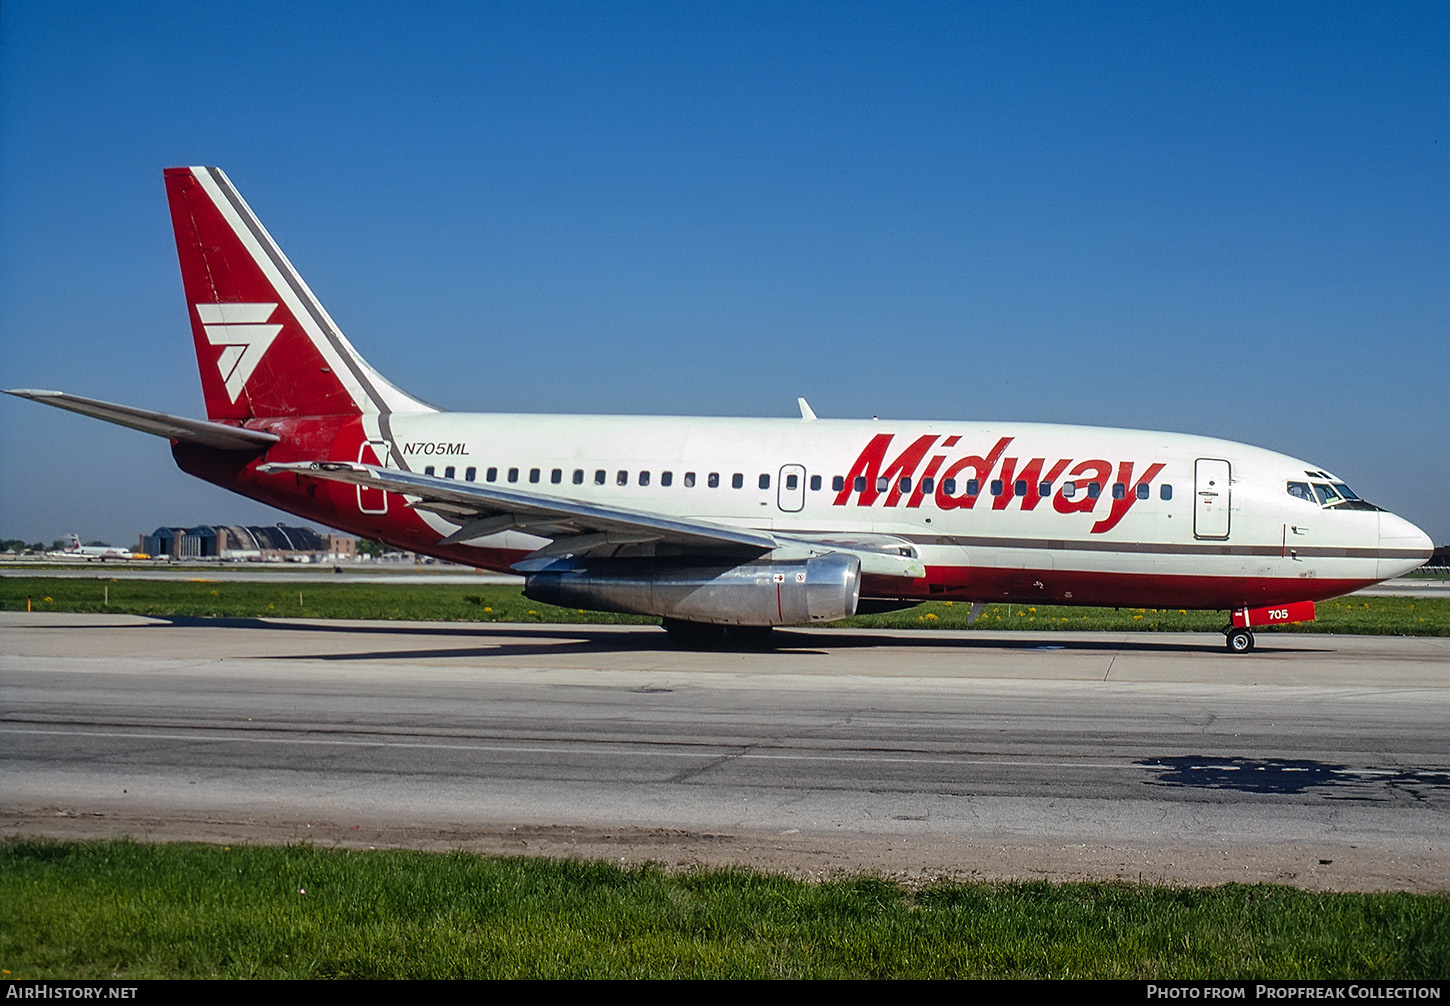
(1238, 640)
(705, 636)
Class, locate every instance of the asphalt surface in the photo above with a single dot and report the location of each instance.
(1322, 761)
(1405, 586)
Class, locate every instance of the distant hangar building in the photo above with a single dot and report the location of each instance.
(276, 543)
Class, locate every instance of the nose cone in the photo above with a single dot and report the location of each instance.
(1403, 546)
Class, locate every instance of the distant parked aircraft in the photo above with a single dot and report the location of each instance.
(102, 552)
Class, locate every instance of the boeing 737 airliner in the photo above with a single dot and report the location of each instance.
(745, 523)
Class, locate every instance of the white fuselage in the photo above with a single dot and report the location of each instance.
(1118, 503)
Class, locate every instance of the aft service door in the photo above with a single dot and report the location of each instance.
(791, 494)
(1210, 498)
(372, 452)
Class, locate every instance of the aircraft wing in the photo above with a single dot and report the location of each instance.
(575, 527)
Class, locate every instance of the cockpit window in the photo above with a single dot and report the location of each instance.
(1330, 495)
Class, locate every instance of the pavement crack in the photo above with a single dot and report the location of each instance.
(713, 763)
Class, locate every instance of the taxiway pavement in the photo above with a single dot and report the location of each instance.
(1318, 760)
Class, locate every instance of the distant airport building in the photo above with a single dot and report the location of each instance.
(277, 543)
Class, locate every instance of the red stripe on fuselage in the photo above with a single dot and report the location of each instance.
(1119, 590)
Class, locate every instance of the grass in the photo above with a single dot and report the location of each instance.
(125, 910)
(201, 597)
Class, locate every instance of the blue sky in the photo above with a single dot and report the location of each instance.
(1226, 218)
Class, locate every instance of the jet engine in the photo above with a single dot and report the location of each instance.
(763, 592)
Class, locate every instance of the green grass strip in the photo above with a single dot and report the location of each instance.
(203, 597)
(126, 910)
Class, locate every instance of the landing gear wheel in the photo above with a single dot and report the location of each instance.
(694, 634)
(751, 636)
(1239, 640)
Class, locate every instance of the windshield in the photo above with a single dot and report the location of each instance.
(1329, 495)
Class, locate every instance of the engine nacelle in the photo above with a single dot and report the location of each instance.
(763, 592)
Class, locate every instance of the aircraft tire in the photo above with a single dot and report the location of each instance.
(694, 634)
(1239, 640)
(751, 636)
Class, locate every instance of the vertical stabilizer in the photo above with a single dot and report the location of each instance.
(264, 344)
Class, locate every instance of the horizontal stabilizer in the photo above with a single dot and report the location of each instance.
(190, 431)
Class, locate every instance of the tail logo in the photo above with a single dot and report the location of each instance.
(243, 332)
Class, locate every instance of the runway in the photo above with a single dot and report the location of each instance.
(1318, 760)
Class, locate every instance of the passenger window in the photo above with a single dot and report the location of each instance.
(578, 476)
(1120, 491)
(860, 485)
(996, 487)
(791, 481)
(1094, 490)
(470, 475)
(974, 486)
(764, 481)
(556, 476)
(1142, 490)
(737, 481)
(928, 485)
(882, 484)
(1019, 488)
(533, 475)
(621, 478)
(689, 480)
(666, 478)
(1044, 489)
(838, 483)
(714, 480)
(428, 470)
(448, 472)
(949, 486)
(904, 485)
(1165, 492)
(599, 476)
(491, 475)
(644, 478)
(1069, 490)
(513, 474)
(815, 483)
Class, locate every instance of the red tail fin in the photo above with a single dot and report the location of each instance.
(264, 344)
